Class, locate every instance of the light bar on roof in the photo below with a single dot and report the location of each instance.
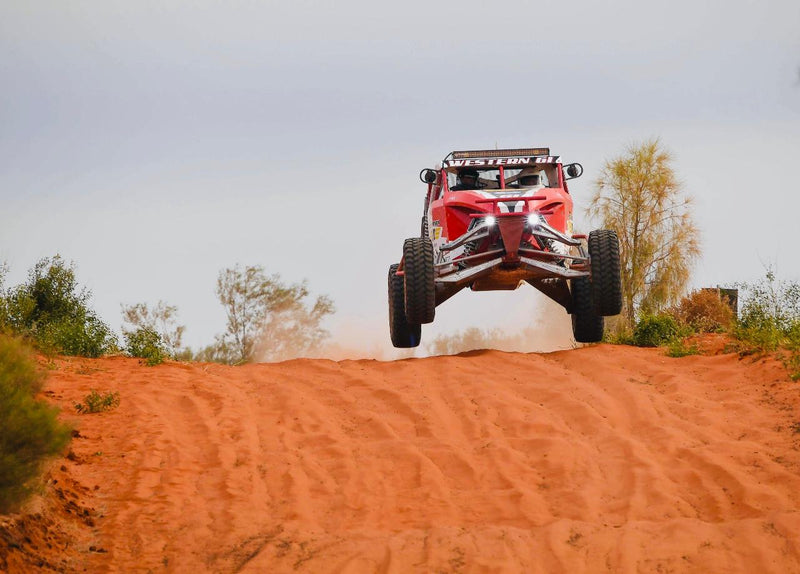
(520, 152)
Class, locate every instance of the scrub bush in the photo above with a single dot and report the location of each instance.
(161, 318)
(95, 402)
(145, 343)
(655, 331)
(770, 319)
(770, 316)
(704, 311)
(53, 311)
(677, 348)
(29, 429)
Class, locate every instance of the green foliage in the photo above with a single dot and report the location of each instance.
(770, 316)
(145, 343)
(638, 196)
(96, 402)
(792, 363)
(162, 319)
(677, 348)
(29, 429)
(770, 319)
(267, 318)
(52, 310)
(655, 331)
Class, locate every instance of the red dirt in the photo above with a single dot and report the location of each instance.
(599, 459)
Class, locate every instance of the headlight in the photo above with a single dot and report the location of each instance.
(533, 219)
(490, 220)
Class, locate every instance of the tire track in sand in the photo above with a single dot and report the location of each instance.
(598, 459)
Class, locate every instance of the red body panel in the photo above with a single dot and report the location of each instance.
(451, 209)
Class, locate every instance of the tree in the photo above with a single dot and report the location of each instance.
(638, 196)
(266, 317)
(161, 319)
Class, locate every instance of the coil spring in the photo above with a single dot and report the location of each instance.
(469, 249)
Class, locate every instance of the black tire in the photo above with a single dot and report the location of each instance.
(587, 326)
(606, 282)
(419, 286)
(403, 334)
(424, 228)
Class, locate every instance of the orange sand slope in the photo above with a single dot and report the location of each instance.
(599, 459)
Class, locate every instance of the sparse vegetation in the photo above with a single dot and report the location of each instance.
(770, 316)
(655, 331)
(146, 344)
(266, 318)
(96, 402)
(770, 320)
(51, 310)
(469, 340)
(161, 319)
(638, 196)
(704, 311)
(29, 429)
(678, 348)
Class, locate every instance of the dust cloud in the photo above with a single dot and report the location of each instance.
(550, 331)
(368, 338)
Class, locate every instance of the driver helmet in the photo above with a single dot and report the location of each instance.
(468, 172)
(528, 177)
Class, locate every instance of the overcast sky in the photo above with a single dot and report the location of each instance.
(155, 143)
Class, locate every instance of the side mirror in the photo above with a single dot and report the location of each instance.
(428, 176)
(573, 170)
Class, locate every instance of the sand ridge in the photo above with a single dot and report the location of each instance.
(604, 458)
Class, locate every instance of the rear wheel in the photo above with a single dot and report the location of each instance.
(606, 283)
(419, 285)
(403, 334)
(587, 326)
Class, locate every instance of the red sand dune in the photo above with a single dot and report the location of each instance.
(599, 459)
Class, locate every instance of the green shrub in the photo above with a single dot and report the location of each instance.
(81, 336)
(677, 348)
(52, 310)
(655, 331)
(146, 344)
(29, 429)
(770, 316)
(95, 402)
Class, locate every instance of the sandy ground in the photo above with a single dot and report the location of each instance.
(599, 459)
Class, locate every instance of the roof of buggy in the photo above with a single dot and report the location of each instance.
(490, 157)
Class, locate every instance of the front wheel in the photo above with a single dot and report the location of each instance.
(587, 326)
(606, 282)
(418, 280)
(404, 334)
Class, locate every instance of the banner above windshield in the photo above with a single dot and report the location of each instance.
(502, 161)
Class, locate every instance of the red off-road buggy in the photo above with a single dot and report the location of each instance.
(495, 219)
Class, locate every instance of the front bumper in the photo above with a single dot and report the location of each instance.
(514, 261)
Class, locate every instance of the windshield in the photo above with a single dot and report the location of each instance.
(489, 178)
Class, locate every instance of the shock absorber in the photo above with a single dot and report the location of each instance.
(469, 249)
(551, 244)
